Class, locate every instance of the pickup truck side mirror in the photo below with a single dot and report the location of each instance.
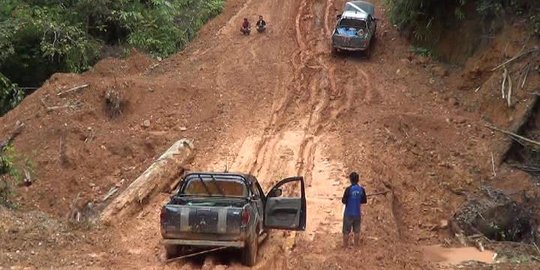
(275, 192)
(338, 16)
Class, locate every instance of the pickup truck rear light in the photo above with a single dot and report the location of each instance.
(245, 216)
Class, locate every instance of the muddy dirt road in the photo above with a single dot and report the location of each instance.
(298, 110)
(280, 104)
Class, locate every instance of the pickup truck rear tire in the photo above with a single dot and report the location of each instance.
(172, 251)
(249, 253)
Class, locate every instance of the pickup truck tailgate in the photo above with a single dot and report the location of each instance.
(182, 219)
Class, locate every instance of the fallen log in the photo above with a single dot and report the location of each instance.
(157, 178)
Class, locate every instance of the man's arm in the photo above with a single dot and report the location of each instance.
(364, 197)
(345, 196)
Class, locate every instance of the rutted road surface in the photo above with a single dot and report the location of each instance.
(285, 106)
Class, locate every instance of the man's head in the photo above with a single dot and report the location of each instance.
(245, 19)
(354, 178)
(260, 17)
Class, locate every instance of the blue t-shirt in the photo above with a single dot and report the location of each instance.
(352, 198)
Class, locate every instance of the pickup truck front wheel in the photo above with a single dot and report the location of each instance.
(172, 251)
(249, 253)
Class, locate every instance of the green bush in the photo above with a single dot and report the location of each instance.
(424, 20)
(14, 169)
(10, 94)
(167, 26)
(419, 16)
(8, 172)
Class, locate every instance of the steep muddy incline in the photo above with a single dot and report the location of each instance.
(274, 105)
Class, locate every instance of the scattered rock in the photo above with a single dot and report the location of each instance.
(183, 128)
(453, 101)
(146, 124)
(443, 224)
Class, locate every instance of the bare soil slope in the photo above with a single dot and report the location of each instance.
(274, 105)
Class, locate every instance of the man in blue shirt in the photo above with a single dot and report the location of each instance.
(353, 197)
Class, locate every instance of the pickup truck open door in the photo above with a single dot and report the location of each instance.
(284, 211)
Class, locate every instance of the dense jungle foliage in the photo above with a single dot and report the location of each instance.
(41, 37)
(425, 20)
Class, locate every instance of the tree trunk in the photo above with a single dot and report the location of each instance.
(157, 178)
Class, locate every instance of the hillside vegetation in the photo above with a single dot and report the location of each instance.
(41, 37)
(428, 22)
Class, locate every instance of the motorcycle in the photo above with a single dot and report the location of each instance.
(261, 29)
(245, 30)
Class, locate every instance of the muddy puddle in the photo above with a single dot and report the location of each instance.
(453, 256)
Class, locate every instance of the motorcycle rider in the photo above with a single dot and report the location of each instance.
(261, 24)
(245, 29)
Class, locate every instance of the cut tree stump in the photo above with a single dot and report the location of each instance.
(157, 178)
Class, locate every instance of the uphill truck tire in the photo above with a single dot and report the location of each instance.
(249, 253)
(335, 51)
(171, 251)
(367, 52)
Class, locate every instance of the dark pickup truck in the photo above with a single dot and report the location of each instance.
(230, 210)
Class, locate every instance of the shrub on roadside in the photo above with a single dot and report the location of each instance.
(10, 94)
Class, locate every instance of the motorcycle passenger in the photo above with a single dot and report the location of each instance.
(246, 28)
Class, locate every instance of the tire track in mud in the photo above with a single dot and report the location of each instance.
(321, 86)
(292, 142)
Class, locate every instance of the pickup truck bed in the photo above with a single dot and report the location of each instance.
(204, 224)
